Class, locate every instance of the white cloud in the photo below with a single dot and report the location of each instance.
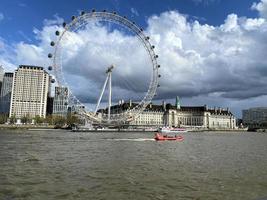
(207, 59)
(231, 23)
(56, 21)
(253, 24)
(200, 62)
(7, 56)
(261, 7)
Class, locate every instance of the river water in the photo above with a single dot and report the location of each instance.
(65, 165)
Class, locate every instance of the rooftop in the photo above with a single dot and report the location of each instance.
(30, 67)
(160, 108)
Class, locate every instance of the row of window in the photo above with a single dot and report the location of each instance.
(147, 123)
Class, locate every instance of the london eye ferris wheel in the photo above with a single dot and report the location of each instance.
(133, 75)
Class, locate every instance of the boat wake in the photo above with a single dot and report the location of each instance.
(132, 139)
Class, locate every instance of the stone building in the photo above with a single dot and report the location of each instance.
(196, 117)
(199, 117)
(29, 92)
(153, 116)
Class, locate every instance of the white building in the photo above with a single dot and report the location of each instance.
(200, 117)
(153, 115)
(29, 92)
(5, 95)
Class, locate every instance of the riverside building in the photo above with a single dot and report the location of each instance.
(49, 108)
(255, 117)
(195, 117)
(153, 116)
(29, 92)
(5, 95)
(60, 102)
(200, 117)
(1, 77)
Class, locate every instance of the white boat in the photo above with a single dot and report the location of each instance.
(172, 130)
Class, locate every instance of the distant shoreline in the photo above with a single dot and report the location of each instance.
(52, 127)
(22, 127)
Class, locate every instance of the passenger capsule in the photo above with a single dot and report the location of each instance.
(93, 10)
(158, 85)
(104, 10)
(57, 33)
(53, 81)
(115, 13)
(147, 38)
(50, 55)
(50, 68)
(152, 47)
(159, 75)
(82, 13)
(158, 66)
(73, 17)
(52, 43)
(156, 56)
(64, 24)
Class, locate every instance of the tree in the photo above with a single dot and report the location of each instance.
(72, 119)
(24, 119)
(59, 120)
(13, 119)
(3, 118)
(49, 119)
(38, 119)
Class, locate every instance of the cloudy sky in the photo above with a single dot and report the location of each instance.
(210, 51)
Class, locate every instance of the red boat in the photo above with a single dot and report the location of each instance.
(160, 137)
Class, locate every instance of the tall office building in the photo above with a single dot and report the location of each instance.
(255, 117)
(29, 92)
(50, 99)
(49, 108)
(5, 95)
(61, 101)
(1, 77)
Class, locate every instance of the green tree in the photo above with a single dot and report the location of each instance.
(3, 118)
(13, 119)
(38, 119)
(24, 119)
(72, 119)
(49, 119)
(59, 121)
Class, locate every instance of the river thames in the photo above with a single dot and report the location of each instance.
(65, 165)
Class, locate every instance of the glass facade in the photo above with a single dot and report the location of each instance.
(60, 104)
(5, 95)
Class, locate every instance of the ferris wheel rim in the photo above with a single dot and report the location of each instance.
(123, 21)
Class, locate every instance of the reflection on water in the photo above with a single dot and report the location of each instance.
(65, 165)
